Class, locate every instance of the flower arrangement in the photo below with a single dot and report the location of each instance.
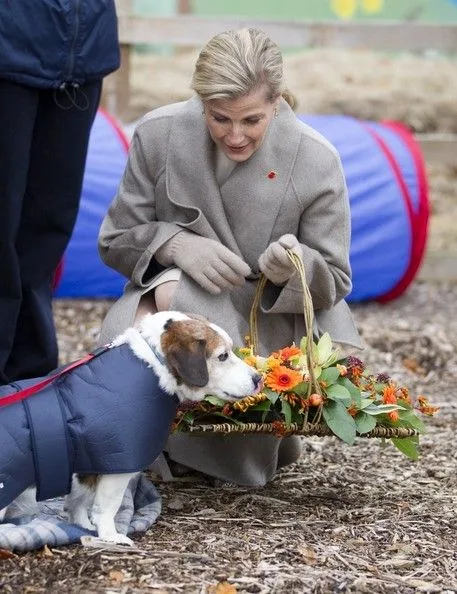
(311, 384)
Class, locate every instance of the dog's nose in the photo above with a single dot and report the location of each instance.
(257, 381)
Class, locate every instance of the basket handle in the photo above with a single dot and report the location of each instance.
(308, 312)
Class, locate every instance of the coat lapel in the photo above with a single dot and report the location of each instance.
(191, 181)
(256, 189)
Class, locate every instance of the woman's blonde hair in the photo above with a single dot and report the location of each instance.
(236, 62)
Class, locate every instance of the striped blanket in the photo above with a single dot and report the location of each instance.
(139, 510)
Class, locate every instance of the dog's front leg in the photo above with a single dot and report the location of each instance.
(109, 493)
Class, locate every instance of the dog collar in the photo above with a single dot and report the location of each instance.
(158, 355)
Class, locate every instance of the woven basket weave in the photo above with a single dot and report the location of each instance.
(318, 429)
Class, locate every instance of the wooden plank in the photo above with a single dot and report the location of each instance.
(194, 31)
(439, 148)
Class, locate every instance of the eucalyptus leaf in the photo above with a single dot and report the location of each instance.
(365, 403)
(338, 392)
(364, 423)
(329, 375)
(340, 421)
(353, 390)
(301, 389)
(407, 446)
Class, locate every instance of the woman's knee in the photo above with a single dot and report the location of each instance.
(164, 295)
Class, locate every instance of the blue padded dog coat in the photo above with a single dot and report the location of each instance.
(108, 415)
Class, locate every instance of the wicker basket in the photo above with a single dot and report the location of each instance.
(280, 428)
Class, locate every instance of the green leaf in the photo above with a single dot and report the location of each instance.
(381, 409)
(365, 403)
(340, 421)
(410, 418)
(324, 348)
(286, 411)
(338, 392)
(265, 405)
(329, 375)
(301, 389)
(271, 395)
(364, 423)
(215, 400)
(408, 446)
(353, 390)
(188, 418)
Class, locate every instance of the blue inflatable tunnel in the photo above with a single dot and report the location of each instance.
(388, 195)
(82, 273)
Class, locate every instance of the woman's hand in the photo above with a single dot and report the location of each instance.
(275, 263)
(213, 266)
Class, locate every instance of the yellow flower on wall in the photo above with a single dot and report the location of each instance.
(372, 6)
(346, 9)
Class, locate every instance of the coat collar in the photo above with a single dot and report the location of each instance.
(254, 191)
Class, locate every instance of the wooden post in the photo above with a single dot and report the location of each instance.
(116, 86)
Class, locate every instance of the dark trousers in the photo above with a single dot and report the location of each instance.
(44, 136)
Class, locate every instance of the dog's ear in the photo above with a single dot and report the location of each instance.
(189, 363)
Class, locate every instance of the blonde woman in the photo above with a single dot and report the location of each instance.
(215, 190)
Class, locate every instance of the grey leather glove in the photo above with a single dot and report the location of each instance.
(275, 263)
(213, 266)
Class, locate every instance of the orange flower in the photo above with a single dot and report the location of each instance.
(404, 395)
(388, 395)
(287, 353)
(393, 416)
(353, 410)
(282, 378)
(425, 407)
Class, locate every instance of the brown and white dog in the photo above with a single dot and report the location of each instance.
(191, 358)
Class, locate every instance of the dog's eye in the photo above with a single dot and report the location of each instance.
(223, 356)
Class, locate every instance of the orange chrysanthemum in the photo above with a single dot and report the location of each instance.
(282, 378)
(287, 352)
(388, 395)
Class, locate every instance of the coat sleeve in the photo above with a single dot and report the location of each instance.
(324, 232)
(130, 232)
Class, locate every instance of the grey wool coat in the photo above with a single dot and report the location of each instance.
(169, 184)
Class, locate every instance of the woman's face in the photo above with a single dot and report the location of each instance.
(238, 126)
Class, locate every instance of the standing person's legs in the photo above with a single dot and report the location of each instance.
(18, 107)
(50, 207)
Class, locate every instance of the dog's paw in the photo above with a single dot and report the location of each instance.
(117, 538)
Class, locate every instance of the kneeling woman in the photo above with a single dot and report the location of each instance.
(215, 190)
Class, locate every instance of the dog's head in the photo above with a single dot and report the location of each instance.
(198, 357)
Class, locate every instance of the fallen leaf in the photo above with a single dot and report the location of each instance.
(308, 554)
(116, 575)
(5, 554)
(46, 552)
